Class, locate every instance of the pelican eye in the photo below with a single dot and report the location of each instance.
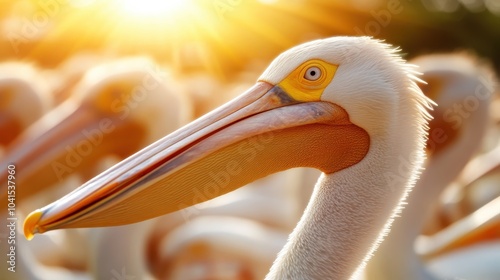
(313, 73)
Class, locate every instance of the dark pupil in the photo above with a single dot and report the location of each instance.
(313, 73)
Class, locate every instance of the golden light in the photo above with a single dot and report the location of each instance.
(152, 8)
(220, 36)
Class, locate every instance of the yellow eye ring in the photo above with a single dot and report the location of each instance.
(304, 85)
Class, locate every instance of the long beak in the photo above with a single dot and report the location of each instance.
(261, 132)
(71, 146)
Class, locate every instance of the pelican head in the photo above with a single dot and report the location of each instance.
(24, 97)
(348, 106)
(118, 108)
(137, 89)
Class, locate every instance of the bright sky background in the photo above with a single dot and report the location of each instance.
(224, 36)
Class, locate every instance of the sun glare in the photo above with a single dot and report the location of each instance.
(146, 8)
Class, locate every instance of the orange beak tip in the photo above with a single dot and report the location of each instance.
(31, 224)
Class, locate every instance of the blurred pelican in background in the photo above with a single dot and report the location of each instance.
(454, 137)
(477, 185)
(29, 267)
(207, 92)
(219, 247)
(24, 97)
(129, 101)
(265, 208)
(166, 111)
(67, 75)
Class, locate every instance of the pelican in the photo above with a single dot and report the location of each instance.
(219, 247)
(472, 224)
(475, 186)
(451, 78)
(207, 92)
(116, 248)
(124, 99)
(467, 85)
(67, 75)
(348, 106)
(28, 266)
(141, 93)
(24, 98)
(482, 225)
